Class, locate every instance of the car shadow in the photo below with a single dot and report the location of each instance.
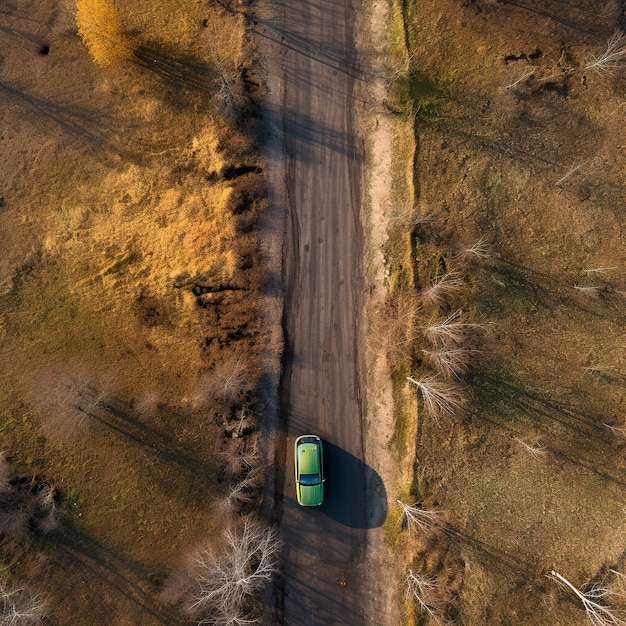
(355, 494)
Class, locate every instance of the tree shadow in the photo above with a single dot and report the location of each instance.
(109, 572)
(119, 417)
(179, 71)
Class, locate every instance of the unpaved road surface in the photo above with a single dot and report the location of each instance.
(324, 567)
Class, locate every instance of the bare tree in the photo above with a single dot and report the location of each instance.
(569, 173)
(228, 381)
(592, 291)
(415, 518)
(594, 601)
(479, 249)
(241, 456)
(242, 492)
(423, 591)
(598, 270)
(224, 47)
(448, 331)
(613, 58)
(534, 449)
(450, 363)
(227, 580)
(442, 288)
(20, 607)
(438, 396)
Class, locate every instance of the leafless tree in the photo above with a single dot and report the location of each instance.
(594, 602)
(27, 504)
(406, 218)
(20, 607)
(227, 381)
(590, 271)
(241, 493)
(613, 58)
(520, 80)
(227, 579)
(479, 249)
(441, 288)
(534, 449)
(450, 363)
(615, 429)
(448, 331)
(241, 456)
(224, 47)
(438, 396)
(416, 518)
(569, 173)
(423, 591)
(592, 291)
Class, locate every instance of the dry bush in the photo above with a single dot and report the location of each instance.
(20, 607)
(229, 381)
(27, 504)
(226, 579)
(100, 28)
(395, 321)
(407, 217)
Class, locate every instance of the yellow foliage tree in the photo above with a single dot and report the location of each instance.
(100, 28)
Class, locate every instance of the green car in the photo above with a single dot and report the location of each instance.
(309, 461)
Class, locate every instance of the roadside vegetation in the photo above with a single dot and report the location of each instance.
(132, 355)
(504, 309)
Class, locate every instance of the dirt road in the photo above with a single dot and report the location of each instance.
(323, 575)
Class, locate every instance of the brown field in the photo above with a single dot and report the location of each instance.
(129, 285)
(520, 145)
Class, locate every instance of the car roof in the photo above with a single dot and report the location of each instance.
(308, 458)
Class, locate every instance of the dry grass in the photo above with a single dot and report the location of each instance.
(540, 433)
(121, 285)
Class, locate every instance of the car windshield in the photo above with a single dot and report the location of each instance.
(309, 479)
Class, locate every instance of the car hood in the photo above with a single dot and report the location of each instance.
(311, 495)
